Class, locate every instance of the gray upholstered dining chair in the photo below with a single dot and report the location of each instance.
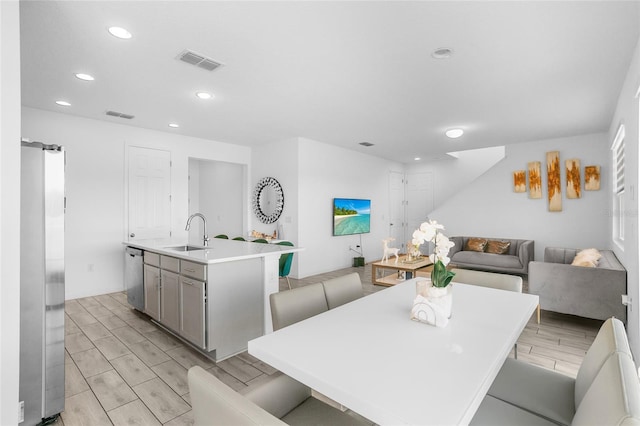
(488, 279)
(491, 280)
(278, 401)
(344, 289)
(291, 306)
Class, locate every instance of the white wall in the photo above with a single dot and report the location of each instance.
(9, 211)
(280, 161)
(453, 174)
(194, 197)
(312, 174)
(488, 206)
(96, 172)
(326, 172)
(217, 189)
(627, 114)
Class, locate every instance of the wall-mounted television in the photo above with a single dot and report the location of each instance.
(351, 216)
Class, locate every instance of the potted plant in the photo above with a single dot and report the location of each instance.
(433, 301)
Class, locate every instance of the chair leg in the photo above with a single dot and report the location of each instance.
(289, 283)
(538, 313)
(515, 350)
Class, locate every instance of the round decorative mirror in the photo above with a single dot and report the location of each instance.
(268, 200)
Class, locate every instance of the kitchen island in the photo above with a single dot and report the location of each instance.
(214, 297)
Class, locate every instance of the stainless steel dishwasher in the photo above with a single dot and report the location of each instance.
(134, 277)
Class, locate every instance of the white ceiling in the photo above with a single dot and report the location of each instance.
(337, 72)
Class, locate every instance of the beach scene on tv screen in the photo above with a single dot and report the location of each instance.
(351, 216)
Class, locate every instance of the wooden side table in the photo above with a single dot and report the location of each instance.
(401, 271)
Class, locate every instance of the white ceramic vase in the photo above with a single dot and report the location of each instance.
(432, 305)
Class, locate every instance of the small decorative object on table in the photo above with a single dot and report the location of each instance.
(256, 234)
(433, 300)
(389, 251)
(413, 251)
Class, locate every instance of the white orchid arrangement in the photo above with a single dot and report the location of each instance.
(430, 231)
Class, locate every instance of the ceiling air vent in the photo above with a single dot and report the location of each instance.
(366, 144)
(199, 61)
(120, 115)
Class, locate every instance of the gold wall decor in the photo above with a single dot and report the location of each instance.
(535, 180)
(591, 178)
(519, 181)
(554, 186)
(574, 184)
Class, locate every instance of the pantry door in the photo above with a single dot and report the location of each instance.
(149, 187)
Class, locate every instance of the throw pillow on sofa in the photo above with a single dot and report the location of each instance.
(587, 257)
(475, 244)
(498, 247)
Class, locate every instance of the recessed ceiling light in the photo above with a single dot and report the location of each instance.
(63, 103)
(204, 95)
(119, 32)
(417, 159)
(174, 125)
(454, 133)
(85, 77)
(442, 53)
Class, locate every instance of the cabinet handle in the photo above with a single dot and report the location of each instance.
(189, 270)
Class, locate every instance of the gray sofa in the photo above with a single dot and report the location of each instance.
(578, 290)
(515, 261)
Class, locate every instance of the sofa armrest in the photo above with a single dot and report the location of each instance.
(458, 245)
(577, 290)
(526, 253)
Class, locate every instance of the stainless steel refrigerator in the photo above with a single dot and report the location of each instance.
(42, 208)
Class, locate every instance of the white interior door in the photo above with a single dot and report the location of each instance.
(397, 222)
(149, 193)
(419, 187)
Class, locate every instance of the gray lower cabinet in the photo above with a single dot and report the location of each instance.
(217, 307)
(193, 319)
(170, 299)
(175, 296)
(152, 291)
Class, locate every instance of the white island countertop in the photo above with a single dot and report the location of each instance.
(218, 251)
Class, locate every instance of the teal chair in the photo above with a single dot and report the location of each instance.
(239, 239)
(285, 262)
(224, 237)
(261, 241)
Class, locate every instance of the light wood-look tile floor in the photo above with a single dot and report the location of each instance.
(121, 369)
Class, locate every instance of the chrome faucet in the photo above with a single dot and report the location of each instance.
(205, 238)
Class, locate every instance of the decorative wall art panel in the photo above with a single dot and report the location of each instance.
(554, 186)
(574, 184)
(535, 180)
(520, 181)
(591, 178)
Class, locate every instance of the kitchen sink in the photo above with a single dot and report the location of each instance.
(186, 248)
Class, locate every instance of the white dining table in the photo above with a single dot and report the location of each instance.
(369, 356)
